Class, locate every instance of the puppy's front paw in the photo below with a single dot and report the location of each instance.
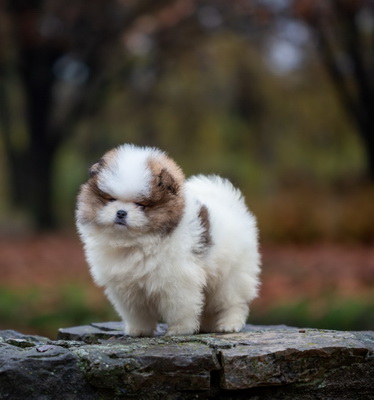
(228, 328)
(137, 332)
(175, 330)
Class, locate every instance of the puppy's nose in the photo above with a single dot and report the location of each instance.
(121, 214)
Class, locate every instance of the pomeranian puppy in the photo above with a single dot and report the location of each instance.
(168, 249)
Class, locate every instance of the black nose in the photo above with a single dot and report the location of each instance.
(121, 214)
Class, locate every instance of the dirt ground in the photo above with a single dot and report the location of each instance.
(290, 272)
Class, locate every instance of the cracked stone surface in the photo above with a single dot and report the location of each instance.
(263, 362)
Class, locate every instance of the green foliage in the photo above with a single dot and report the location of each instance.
(42, 311)
(45, 311)
(328, 312)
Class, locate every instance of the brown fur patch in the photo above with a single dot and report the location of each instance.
(91, 198)
(205, 237)
(166, 202)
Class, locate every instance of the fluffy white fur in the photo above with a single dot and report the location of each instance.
(190, 284)
(132, 171)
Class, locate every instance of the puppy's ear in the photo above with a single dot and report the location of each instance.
(167, 182)
(95, 168)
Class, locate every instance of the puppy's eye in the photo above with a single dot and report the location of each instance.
(107, 197)
(140, 205)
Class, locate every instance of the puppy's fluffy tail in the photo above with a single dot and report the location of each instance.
(215, 187)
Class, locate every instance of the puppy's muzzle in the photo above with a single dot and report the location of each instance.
(121, 217)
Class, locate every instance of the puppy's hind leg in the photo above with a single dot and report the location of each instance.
(182, 312)
(232, 318)
(230, 301)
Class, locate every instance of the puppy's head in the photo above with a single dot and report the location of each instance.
(132, 190)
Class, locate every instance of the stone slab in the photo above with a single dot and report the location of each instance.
(273, 362)
(41, 372)
(284, 357)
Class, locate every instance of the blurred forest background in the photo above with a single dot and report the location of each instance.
(277, 95)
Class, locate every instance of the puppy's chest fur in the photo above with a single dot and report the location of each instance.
(148, 268)
(127, 266)
(153, 264)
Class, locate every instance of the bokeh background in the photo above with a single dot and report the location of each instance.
(277, 95)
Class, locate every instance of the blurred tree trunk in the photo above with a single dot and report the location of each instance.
(52, 103)
(31, 165)
(347, 53)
